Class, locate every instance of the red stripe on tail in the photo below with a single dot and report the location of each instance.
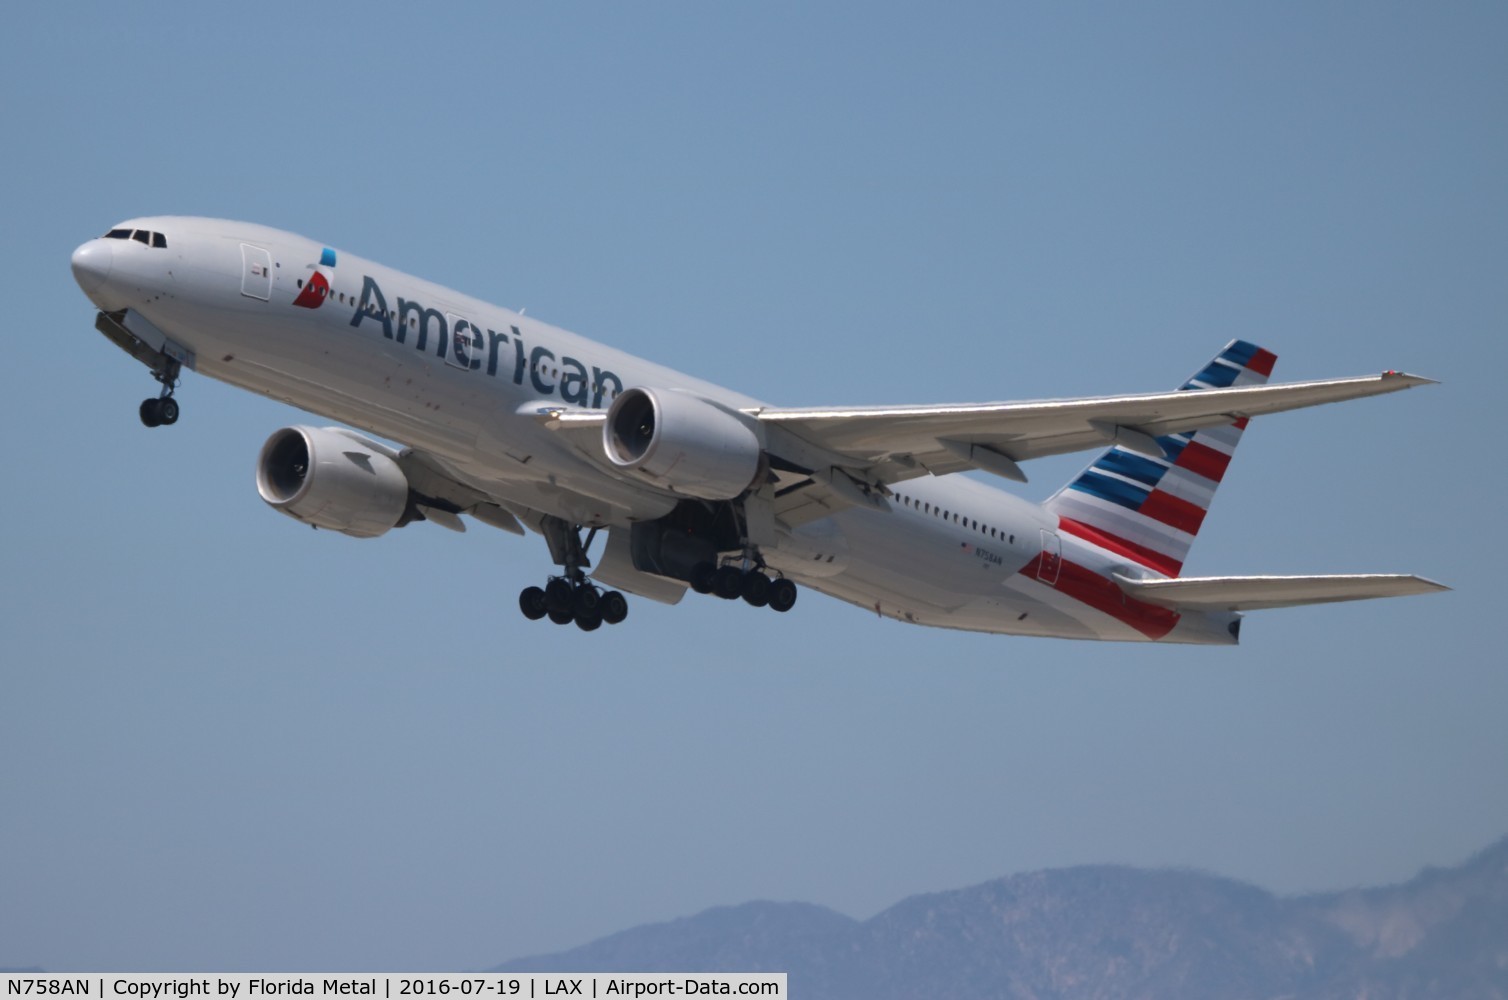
(1172, 511)
(1202, 460)
(1164, 564)
(1262, 361)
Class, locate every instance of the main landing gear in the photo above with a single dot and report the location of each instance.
(564, 601)
(571, 597)
(163, 410)
(731, 582)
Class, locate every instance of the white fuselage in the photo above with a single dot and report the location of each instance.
(463, 381)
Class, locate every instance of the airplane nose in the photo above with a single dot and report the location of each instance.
(91, 265)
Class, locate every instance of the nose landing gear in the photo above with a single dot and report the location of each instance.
(163, 410)
(159, 412)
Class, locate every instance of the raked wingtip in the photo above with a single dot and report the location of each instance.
(1410, 380)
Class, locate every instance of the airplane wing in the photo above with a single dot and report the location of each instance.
(871, 447)
(1034, 429)
(1254, 593)
(831, 457)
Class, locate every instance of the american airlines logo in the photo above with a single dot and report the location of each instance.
(317, 288)
(464, 345)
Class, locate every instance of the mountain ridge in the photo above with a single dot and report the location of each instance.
(1098, 931)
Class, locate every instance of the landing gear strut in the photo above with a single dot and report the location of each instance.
(572, 596)
(162, 410)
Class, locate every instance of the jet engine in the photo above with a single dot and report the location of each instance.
(681, 443)
(331, 479)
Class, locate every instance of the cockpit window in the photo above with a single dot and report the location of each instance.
(143, 236)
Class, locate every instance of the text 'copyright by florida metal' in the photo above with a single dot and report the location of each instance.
(392, 986)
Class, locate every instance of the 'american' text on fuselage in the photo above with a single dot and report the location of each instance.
(472, 348)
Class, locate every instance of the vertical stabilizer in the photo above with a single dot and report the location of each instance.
(1149, 509)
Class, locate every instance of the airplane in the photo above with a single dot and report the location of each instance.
(516, 424)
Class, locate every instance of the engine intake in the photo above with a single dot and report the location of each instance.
(681, 443)
(327, 478)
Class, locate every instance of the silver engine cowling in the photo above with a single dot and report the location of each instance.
(681, 443)
(332, 479)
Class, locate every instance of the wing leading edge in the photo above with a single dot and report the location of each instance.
(939, 435)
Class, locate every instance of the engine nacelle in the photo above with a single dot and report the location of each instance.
(332, 480)
(681, 443)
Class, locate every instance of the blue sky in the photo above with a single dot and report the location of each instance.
(231, 743)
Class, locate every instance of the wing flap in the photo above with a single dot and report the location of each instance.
(1256, 593)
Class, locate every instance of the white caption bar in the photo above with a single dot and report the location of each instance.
(392, 986)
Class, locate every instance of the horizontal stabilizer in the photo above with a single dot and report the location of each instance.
(1254, 593)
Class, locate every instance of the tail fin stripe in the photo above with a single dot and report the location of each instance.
(1124, 524)
(1164, 564)
(1172, 511)
(1138, 467)
(1241, 352)
(1204, 461)
(1116, 491)
(1261, 362)
(1222, 438)
(1173, 445)
(1249, 355)
(1186, 486)
(1218, 375)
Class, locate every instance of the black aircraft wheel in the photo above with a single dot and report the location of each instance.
(150, 412)
(588, 600)
(728, 583)
(782, 594)
(532, 603)
(588, 623)
(561, 617)
(703, 577)
(614, 607)
(167, 410)
(559, 596)
(756, 588)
